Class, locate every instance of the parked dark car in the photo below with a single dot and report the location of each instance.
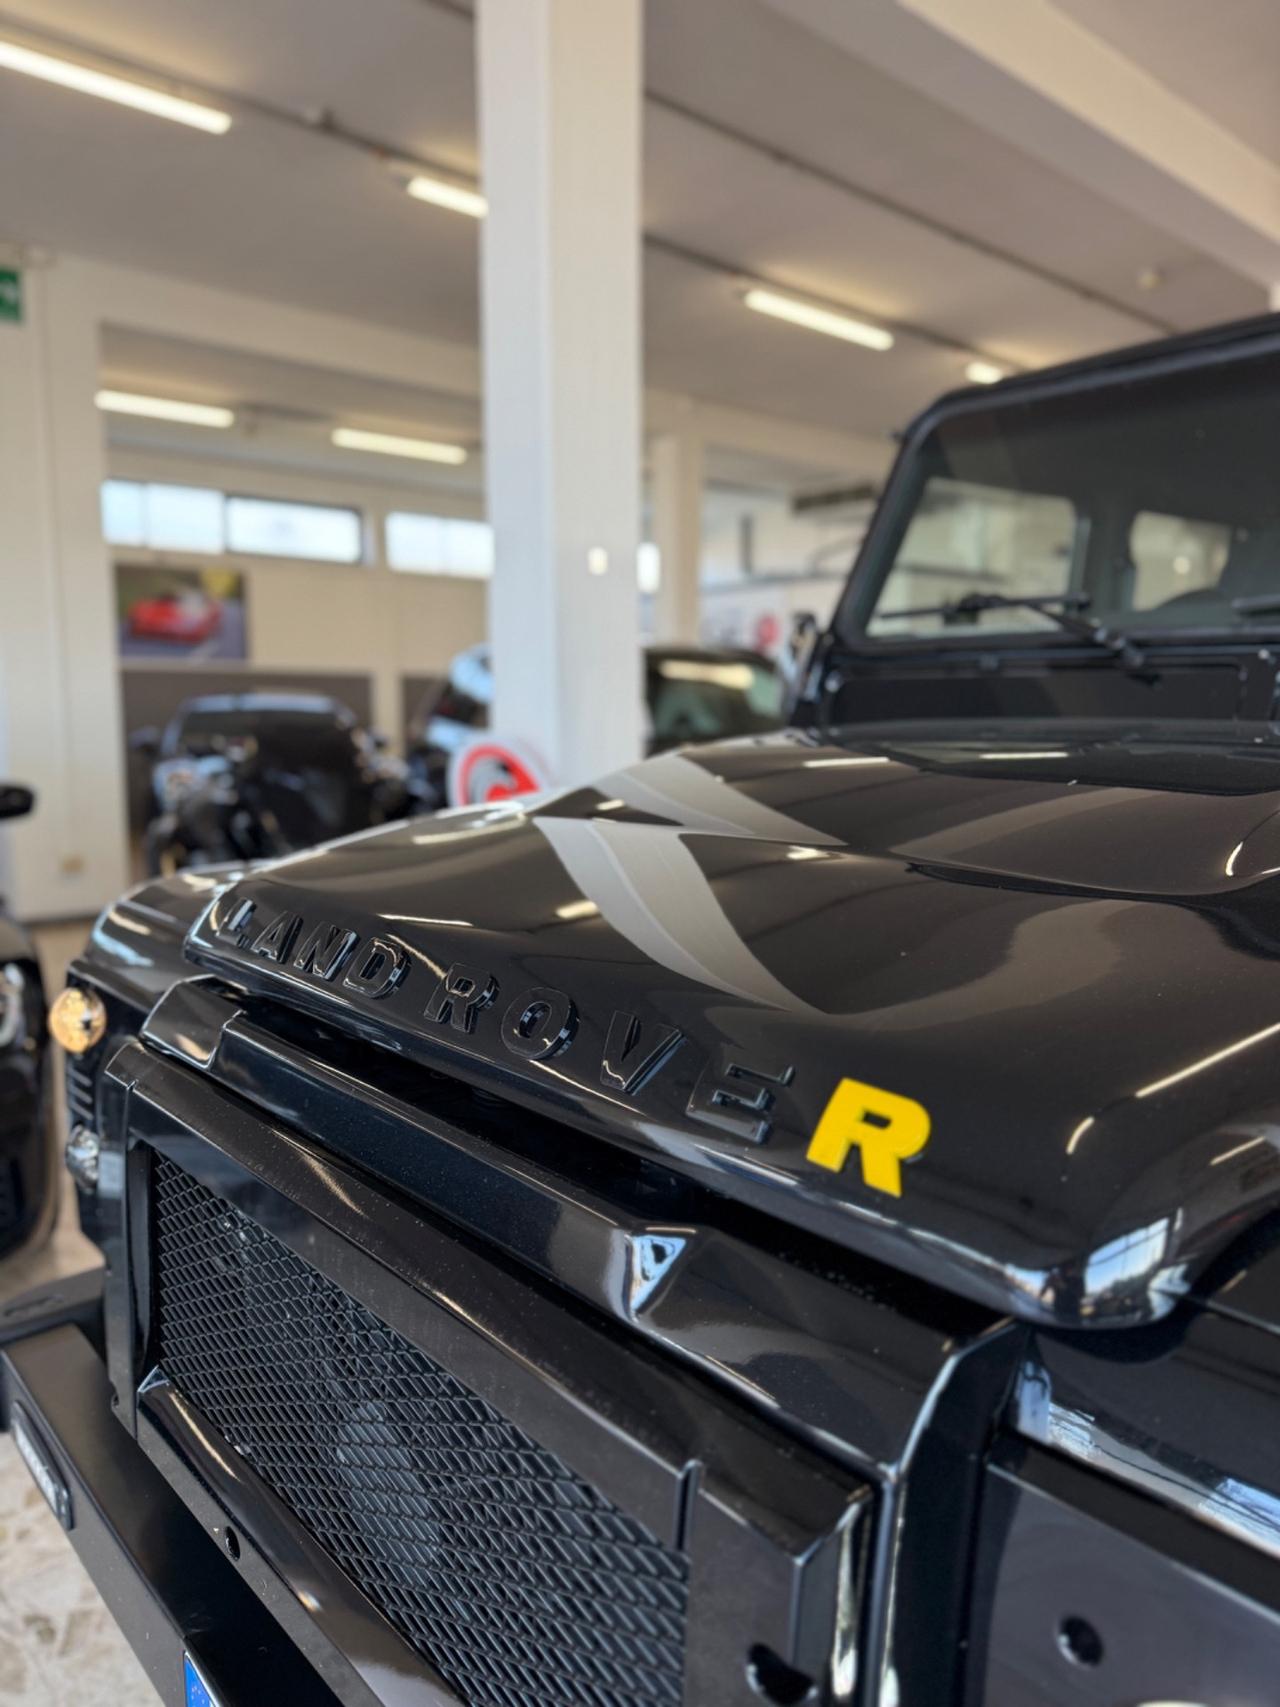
(692, 693)
(28, 1156)
(255, 775)
(802, 1226)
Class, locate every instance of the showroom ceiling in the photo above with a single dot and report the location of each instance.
(881, 200)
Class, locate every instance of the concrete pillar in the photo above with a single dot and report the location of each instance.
(675, 463)
(560, 147)
(59, 700)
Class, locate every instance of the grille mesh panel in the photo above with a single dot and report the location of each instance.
(518, 1581)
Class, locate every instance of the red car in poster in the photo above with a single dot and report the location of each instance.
(185, 618)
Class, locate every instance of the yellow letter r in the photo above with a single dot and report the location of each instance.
(887, 1129)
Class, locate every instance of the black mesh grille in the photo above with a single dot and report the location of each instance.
(518, 1581)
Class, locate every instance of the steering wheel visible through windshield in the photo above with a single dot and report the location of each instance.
(1152, 503)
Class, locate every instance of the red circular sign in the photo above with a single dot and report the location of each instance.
(492, 768)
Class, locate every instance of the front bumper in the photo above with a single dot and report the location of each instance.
(160, 1572)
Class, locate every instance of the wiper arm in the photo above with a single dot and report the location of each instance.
(1066, 609)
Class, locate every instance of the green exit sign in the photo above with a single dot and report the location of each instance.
(10, 294)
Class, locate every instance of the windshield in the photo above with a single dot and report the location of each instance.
(1151, 502)
(707, 699)
(293, 739)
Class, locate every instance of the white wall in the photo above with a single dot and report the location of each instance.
(369, 619)
(59, 700)
(59, 712)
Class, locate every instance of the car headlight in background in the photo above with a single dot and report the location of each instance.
(13, 1006)
(174, 783)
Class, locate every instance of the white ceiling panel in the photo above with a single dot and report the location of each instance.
(1223, 57)
(292, 214)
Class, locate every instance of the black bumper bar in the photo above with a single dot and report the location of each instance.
(162, 1576)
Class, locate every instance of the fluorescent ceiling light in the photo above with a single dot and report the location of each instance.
(89, 82)
(165, 409)
(456, 197)
(819, 319)
(391, 444)
(984, 373)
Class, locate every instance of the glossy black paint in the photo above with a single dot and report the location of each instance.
(26, 1107)
(1089, 1596)
(770, 1530)
(1064, 949)
(537, 1085)
(1185, 1412)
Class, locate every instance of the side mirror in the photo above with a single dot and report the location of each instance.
(145, 741)
(15, 800)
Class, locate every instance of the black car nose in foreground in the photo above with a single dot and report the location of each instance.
(28, 1143)
(797, 1220)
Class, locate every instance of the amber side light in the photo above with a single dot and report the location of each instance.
(78, 1020)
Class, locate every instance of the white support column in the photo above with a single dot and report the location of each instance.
(675, 464)
(59, 701)
(560, 147)
(1273, 298)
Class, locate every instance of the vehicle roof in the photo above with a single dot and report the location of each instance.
(1226, 337)
(293, 704)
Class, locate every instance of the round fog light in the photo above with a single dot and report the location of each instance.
(78, 1020)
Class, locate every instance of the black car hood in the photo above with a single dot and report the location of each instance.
(136, 946)
(1064, 951)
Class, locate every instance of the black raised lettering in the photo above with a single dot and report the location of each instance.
(231, 918)
(539, 1023)
(633, 1052)
(326, 950)
(276, 940)
(378, 970)
(736, 1098)
(460, 995)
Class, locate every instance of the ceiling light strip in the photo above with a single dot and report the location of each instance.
(814, 319)
(164, 409)
(440, 193)
(88, 81)
(393, 444)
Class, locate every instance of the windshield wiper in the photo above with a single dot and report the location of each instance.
(1066, 609)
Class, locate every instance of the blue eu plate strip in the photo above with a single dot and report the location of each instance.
(198, 1693)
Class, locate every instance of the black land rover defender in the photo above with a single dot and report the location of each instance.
(796, 1221)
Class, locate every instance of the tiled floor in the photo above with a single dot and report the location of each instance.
(59, 1646)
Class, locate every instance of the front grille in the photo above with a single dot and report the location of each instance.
(81, 1080)
(519, 1582)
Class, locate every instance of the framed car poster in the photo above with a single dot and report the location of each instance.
(180, 615)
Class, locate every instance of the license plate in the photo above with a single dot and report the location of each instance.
(44, 1472)
(198, 1692)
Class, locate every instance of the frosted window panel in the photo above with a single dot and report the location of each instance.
(648, 567)
(267, 527)
(124, 512)
(184, 518)
(439, 545)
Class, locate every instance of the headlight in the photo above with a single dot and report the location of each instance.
(78, 1020)
(174, 783)
(13, 1006)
